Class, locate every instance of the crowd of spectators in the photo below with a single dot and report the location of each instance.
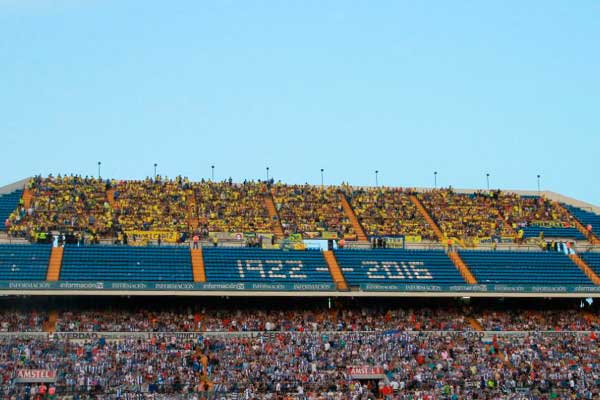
(298, 319)
(521, 211)
(80, 207)
(16, 320)
(311, 210)
(388, 212)
(153, 204)
(542, 320)
(228, 207)
(65, 204)
(226, 320)
(465, 216)
(313, 365)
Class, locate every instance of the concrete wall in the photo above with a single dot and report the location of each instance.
(14, 186)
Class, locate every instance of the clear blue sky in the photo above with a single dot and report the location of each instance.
(407, 88)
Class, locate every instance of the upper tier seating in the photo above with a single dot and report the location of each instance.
(125, 263)
(24, 262)
(534, 214)
(388, 212)
(8, 203)
(159, 205)
(465, 216)
(228, 207)
(593, 260)
(311, 210)
(67, 203)
(513, 267)
(585, 217)
(258, 265)
(397, 266)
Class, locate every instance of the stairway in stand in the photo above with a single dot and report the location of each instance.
(351, 215)
(436, 229)
(198, 265)
(276, 221)
(335, 271)
(474, 324)
(585, 268)
(192, 213)
(27, 196)
(55, 264)
(110, 198)
(50, 324)
(462, 268)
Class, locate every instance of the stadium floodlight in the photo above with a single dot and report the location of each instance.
(435, 179)
(100, 163)
(487, 177)
(322, 170)
(376, 178)
(212, 173)
(267, 173)
(155, 165)
(538, 183)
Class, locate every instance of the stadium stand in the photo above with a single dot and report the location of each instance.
(397, 266)
(552, 232)
(153, 204)
(466, 216)
(63, 203)
(388, 212)
(228, 207)
(535, 215)
(311, 210)
(585, 217)
(592, 260)
(24, 262)
(258, 265)
(8, 203)
(126, 263)
(514, 267)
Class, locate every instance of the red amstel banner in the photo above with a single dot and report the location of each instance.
(35, 375)
(364, 372)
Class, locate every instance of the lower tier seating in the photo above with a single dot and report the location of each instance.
(126, 263)
(566, 233)
(258, 265)
(24, 261)
(397, 266)
(593, 260)
(513, 267)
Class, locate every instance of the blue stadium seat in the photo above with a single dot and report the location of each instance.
(585, 217)
(593, 260)
(259, 265)
(567, 233)
(126, 263)
(397, 266)
(8, 203)
(523, 267)
(24, 261)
